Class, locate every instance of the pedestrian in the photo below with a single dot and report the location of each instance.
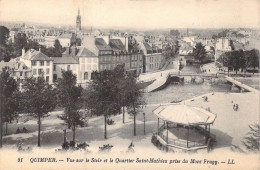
(18, 130)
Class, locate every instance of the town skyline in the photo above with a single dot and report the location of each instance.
(131, 14)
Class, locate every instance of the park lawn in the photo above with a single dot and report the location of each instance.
(230, 126)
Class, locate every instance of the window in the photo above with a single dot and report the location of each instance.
(47, 79)
(34, 71)
(47, 71)
(68, 67)
(42, 63)
(48, 63)
(95, 60)
(21, 73)
(54, 77)
(33, 63)
(39, 71)
(83, 60)
(54, 67)
(88, 67)
(86, 76)
(89, 60)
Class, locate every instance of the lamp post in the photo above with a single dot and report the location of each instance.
(65, 135)
(144, 122)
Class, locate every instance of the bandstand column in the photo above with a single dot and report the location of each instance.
(158, 126)
(188, 136)
(205, 133)
(209, 130)
(167, 132)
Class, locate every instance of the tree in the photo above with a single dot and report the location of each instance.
(38, 99)
(20, 42)
(4, 35)
(236, 59)
(102, 97)
(133, 96)
(254, 58)
(199, 52)
(4, 53)
(7, 87)
(57, 45)
(252, 139)
(12, 108)
(175, 33)
(121, 84)
(69, 97)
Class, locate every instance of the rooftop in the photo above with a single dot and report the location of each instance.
(36, 55)
(101, 44)
(183, 114)
(64, 60)
(84, 52)
(116, 44)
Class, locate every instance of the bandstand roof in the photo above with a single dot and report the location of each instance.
(183, 114)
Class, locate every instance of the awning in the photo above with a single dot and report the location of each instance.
(183, 114)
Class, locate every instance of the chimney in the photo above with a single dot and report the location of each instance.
(66, 53)
(109, 38)
(23, 52)
(73, 51)
(39, 49)
(126, 43)
(30, 55)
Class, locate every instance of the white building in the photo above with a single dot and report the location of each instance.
(39, 63)
(88, 62)
(64, 64)
(222, 45)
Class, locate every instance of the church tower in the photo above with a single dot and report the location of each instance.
(78, 22)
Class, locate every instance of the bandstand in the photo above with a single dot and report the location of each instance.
(184, 127)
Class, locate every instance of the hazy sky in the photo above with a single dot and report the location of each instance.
(136, 13)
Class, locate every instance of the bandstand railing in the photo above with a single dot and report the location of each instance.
(181, 142)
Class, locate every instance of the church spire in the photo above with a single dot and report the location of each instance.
(78, 21)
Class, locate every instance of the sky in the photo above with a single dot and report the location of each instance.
(146, 14)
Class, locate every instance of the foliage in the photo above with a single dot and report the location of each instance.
(72, 146)
(134, 97)
(69, 97)
(105, 148)
(8, 109)
(55, 51)
(199, 52)
(111, 90)
(175, 33)
(20, 42)
(4, 35)
(220, 34)
(240, 59)
(38, 99)
(252, 140)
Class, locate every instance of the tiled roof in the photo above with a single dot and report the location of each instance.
(147, 46)
(101, 44)
(36, 55)
(116, 44)
(65, 36)
(84, 52)
(186, 46)
(64, 60)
